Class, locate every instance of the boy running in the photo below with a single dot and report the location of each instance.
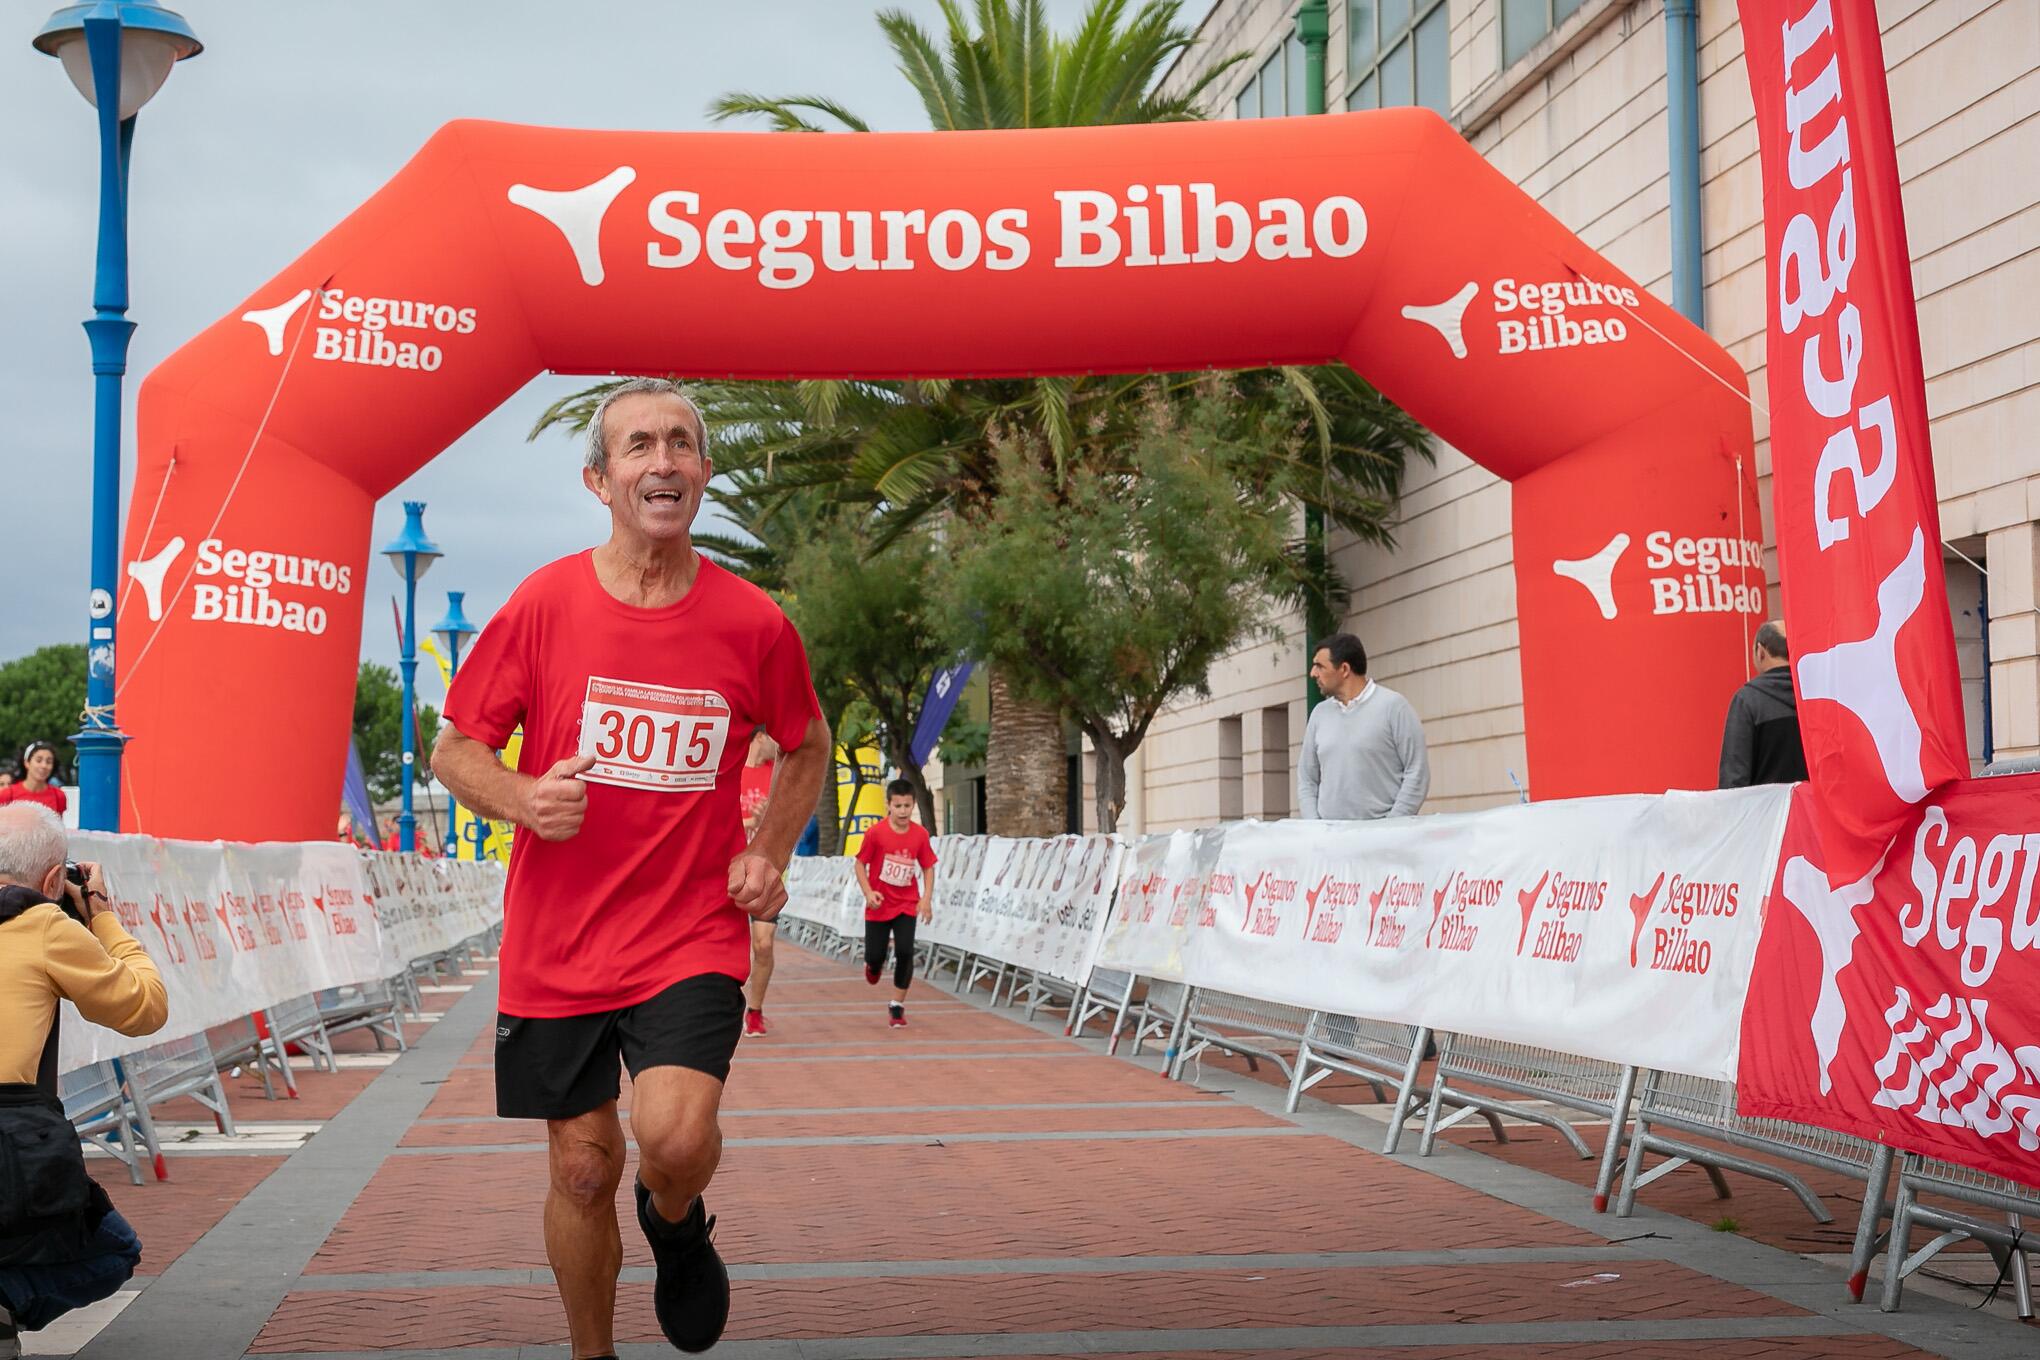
(895, 852)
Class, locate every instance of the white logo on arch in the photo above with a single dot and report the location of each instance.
(578, 214)
(272, 320)
(1448, 318)
(149, 573)
(1596, 573)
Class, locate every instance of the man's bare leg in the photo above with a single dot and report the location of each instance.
(673, 1118)
(762, 936)
(584, 1157)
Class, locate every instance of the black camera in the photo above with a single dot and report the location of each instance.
(75, 875)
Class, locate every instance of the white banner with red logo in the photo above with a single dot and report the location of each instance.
(1620, 928)
(1904, 1007)
(1858, 523)
(235, 929)
(1037, 903)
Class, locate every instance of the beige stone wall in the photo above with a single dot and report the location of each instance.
(1580, 124)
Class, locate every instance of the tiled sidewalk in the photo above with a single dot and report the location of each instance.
(970, 1186)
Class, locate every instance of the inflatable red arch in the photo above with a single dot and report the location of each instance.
(1380, 239)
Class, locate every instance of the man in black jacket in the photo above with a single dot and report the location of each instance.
(1760, 745)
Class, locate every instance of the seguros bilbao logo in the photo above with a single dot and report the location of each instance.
(1687, 573)
(789, 247)
(355, 328)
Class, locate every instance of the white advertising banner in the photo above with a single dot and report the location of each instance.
(1038, 904)
(235, 929)
(1619, 928)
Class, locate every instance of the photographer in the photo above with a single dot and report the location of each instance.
(61, 1243)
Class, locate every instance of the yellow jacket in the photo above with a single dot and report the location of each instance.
(45, 955)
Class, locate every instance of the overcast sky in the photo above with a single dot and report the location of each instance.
(294, 114)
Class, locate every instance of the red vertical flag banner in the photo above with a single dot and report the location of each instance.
(1880, 698)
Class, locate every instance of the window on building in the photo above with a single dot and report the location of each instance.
(1275, 762)
(1275, 90)
(1398, 53)
(1526, 22)
(1231, 783)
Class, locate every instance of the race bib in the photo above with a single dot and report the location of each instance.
(653, 737)
(895, 872)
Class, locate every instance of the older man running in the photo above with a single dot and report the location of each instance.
(626, 935)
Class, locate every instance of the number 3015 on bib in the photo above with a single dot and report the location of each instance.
(651, 736)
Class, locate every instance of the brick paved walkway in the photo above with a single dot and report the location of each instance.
(971, 1186)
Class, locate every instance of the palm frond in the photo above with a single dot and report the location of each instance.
(783, 113)
(921, 64)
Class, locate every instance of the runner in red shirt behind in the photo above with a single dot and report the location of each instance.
(638, 671)
(753, 793)
(895, 852)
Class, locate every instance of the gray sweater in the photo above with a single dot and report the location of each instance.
(1364, 759)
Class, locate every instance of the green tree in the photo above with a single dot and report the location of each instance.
(41, 697)
(867, 621)
(1112, 594)
(379, 733)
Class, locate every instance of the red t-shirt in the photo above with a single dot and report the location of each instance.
(754, 788)
(665, 699)
(51, 797)
(889, 857)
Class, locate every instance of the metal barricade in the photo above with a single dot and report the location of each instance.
(1704, 1108)
(179, 1067)
(1585, 1085)
(242, 1043)
(1378, 1052)
(1038, 990)
(948, 956)
(372, 1006)
(1159, 1013)
(297, 1021)
(1242, 1025)
(982, 967)
(98, 1108)
(2005, 1239)
(1109, 992)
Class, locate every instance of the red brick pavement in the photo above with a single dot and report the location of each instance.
(453, 1210)
(170, 1215)
(970, 1200)
(1212, 1115)
(939, 1304)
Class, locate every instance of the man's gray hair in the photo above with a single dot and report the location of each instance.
(1771, 641)
(598, 453)
(32, 842)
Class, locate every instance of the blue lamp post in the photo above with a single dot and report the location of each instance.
(126, 46)
(412, 554)
(453, 631)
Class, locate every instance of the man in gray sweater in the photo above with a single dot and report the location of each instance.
(1363, 748)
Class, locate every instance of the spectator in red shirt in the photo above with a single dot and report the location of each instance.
(38, 782)
(637, 670)
(897, 852)
(752, 794)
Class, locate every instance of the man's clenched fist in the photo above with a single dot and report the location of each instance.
(557, 800)
(757, 886)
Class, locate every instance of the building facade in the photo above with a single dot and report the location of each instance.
(1569, 99)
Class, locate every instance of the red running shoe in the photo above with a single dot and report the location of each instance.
(896, 1016)
(754, 1023)
(871, 975)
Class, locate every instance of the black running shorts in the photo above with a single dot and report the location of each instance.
(559, 1068)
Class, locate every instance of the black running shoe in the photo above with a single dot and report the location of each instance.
(692, 1297)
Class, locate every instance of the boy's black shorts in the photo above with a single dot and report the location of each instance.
(558, 1068)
